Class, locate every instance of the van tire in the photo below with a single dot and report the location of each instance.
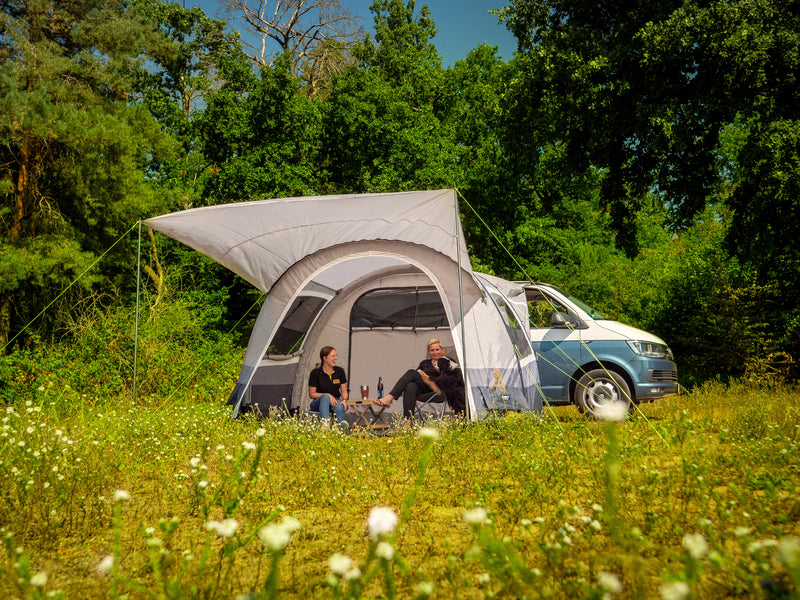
(599, 387)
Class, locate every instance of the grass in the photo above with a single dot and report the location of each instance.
(696, 497)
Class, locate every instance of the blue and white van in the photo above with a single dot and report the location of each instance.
(588, 360)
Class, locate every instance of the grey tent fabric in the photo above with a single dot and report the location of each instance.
(316, 257)
(260, 240)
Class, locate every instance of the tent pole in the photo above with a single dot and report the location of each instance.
(461, 306)
(136, 317)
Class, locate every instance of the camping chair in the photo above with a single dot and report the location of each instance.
(425, 400)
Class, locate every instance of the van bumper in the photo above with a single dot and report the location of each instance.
(659, 379)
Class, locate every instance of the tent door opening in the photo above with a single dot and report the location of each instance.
(389, 332)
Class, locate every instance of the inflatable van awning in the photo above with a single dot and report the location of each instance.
(260, 240)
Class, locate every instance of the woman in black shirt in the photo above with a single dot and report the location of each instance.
(327, 387)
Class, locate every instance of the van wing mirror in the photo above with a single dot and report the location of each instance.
(562, 321)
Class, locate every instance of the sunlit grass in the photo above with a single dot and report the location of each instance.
(696, 496)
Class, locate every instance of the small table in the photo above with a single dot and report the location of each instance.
(366, 414)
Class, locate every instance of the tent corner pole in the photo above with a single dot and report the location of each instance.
(461, 304)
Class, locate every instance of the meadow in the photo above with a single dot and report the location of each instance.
(696, 496)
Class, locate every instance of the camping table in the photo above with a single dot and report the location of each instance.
(366, 416)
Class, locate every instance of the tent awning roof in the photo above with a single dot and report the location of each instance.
(260, 240)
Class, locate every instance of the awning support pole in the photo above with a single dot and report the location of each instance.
(136, 317)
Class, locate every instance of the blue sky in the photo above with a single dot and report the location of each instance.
(462, 24)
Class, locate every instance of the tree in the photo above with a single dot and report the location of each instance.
(314, 33)
(643, 90)
(261, 136)
(190, 63)
(381, 129)
(73, 148)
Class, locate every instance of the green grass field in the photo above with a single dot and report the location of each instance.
(695, 497)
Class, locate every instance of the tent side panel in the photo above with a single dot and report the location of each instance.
(272, 385)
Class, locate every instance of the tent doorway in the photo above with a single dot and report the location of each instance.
(401, 318)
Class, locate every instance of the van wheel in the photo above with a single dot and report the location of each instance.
(598, 388)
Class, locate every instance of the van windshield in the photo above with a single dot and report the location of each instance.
(595, 314)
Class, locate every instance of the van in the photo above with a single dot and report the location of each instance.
(588, 360)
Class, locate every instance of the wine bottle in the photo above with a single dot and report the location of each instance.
(380, 387)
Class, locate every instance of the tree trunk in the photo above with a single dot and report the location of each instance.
(5, 321)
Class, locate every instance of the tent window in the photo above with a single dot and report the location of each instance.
(513, 326)
(296, 324)
(411, 308)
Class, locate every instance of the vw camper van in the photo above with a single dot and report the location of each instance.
(588, 360)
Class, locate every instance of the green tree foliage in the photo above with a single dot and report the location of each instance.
(381, 128)
(71, 178)
(261, 136)
(180, 72)
(643, 90)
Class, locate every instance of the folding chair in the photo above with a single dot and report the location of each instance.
(424, 400)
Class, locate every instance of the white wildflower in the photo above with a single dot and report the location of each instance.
(384, 550)
(382, 519)
(612, 411)
(353, 574)
(39, 580)
(248, 445)
(428, 433)
(225, 528)
(290, 524)
(121, 496)
(340, 564)
(425, 588)
(276, 536)
(609, 582)
(696, 545)
(677, 590)
(476, 516)
(106, 565)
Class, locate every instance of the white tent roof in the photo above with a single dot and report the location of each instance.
(260, 245)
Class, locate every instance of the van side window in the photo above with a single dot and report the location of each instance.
(541, 308)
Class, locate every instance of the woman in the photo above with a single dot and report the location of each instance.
(327, 387)
(437, 373)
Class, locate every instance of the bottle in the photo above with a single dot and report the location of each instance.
(380, 387)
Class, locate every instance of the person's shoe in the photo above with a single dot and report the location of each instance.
(344, 426)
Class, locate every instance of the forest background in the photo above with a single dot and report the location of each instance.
(643, 156)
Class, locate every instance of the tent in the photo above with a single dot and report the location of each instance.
(374, 275)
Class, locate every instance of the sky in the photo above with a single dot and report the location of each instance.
(462, 24)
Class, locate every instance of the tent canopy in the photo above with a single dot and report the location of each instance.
(260, 240)
(335, 249)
